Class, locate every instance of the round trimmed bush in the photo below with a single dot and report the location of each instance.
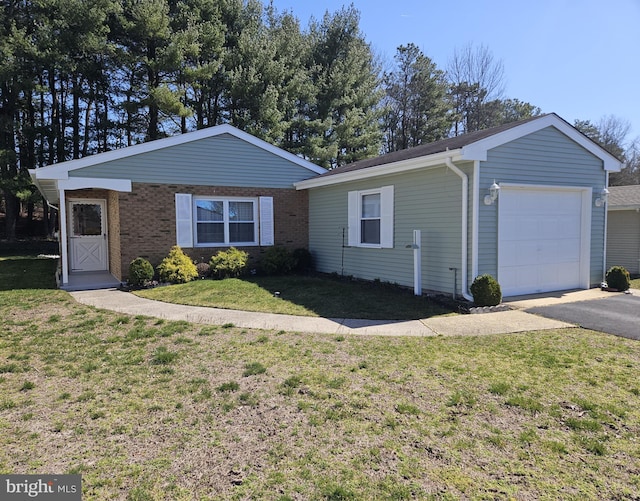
(302, 258)
(140, 271)
(486, 291)
(618, 278)
(277, 261)
(177, 267)
(204, 270)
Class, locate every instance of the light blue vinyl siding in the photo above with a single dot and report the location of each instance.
(428, 200)
(222, 160)
(546, 157)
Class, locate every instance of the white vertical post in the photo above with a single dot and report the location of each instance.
(64, 242)
(417, 262)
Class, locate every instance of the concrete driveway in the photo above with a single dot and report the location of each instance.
(617, 314)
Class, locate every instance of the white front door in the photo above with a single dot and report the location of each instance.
(88, 235)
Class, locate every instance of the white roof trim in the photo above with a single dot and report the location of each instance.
(79, 183)
(61, 170)
(479, 149)
(427, 161)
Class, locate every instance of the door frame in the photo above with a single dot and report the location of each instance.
(105, 230)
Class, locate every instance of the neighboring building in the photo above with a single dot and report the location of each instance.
(623, 228)
(541, 228)
(204, 190)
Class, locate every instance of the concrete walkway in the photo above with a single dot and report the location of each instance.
(503, 322)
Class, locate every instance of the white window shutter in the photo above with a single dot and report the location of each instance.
(266, 221)
(353, 219)
(184, 220)
(386, 217)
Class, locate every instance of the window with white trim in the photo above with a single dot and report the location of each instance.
(223, 221)
(371, 218)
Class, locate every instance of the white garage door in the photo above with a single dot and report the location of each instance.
(541, 241)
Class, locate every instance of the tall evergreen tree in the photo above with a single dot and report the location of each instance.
(416, 101)
(17, 80)
(343, 122)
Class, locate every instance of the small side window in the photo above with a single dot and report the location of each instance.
(371, 218)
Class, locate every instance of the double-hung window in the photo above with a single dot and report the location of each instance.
(208, 221)
(371, 217)
(226, 221)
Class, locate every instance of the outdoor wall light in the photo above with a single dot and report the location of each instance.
(604, 196)
(494, 189)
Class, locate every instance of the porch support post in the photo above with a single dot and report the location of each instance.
(63, 238)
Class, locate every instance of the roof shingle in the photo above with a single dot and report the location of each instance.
(624, 196)
(452, 143)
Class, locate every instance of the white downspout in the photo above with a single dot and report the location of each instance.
(604, 243)
(63, 238)
(465, 219)
(475, 218)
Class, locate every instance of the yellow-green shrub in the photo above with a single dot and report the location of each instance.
(229, 263)
(177, 267)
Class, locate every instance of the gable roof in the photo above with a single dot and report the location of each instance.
(472, 146)
(108, 156)
(624, 197)
(48, 178)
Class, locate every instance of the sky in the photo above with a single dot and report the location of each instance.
(577, 58)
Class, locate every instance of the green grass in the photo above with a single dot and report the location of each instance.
(27, 272)
(635, 283)
(301, 295)
(535, 415)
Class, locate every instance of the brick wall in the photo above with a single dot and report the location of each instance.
(148, 225)
(113, 211)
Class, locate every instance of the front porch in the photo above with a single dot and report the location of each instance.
(89, 280)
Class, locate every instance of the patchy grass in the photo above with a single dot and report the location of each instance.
(535, 415)
(301, 295)
(154, 411)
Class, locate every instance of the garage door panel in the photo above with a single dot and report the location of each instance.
(558, 251)
(540, 240)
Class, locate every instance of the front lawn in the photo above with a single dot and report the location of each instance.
(27, 272)
(147, 409)
(302, 295)
(150, 409)
(635, 283)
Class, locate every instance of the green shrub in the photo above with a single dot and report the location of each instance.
(229, 263)
(278, 261)
(486, 291)
(303, 260)
(140, 271)
(177, 267)
(618, 278)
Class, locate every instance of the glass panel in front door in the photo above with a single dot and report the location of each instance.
(87, 219)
